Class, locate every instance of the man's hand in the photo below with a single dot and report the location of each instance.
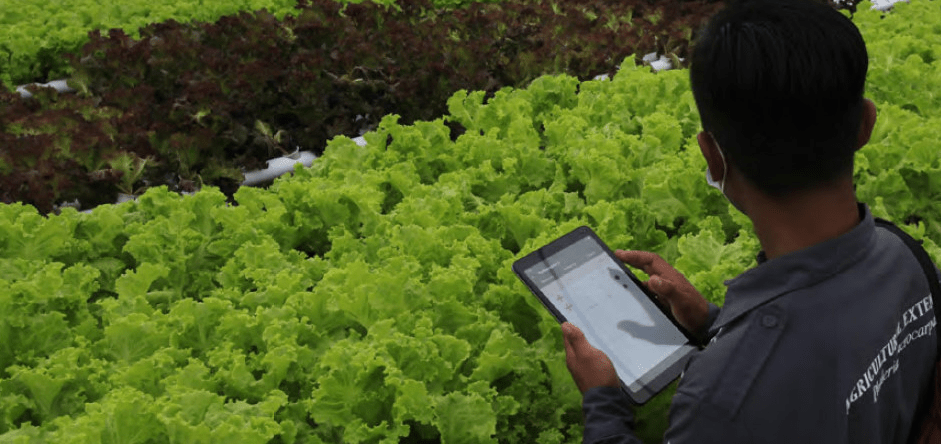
(589, 366)
(673, 290)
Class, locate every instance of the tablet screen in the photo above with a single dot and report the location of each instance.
(589, 289)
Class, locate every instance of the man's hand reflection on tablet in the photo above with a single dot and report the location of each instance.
(644, 331)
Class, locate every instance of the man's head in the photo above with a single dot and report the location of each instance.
(779, 87)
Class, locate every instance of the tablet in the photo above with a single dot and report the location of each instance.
(579, 280)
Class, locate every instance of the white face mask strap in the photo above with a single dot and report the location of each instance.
(725, 169)
(720, 185)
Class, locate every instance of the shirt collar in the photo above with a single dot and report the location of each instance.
(793, 271)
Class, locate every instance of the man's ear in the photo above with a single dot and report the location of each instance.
(710, 150)
(868, 122)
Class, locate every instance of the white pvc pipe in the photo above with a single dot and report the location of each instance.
(661, 64)
(884, 5)
(279, 166)
(60, 85)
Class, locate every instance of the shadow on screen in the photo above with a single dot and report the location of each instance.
(648, 333)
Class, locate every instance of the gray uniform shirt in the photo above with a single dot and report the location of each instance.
(832, 344)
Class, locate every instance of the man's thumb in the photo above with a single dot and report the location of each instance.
(573, 335)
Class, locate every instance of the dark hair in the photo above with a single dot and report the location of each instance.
(779, 84)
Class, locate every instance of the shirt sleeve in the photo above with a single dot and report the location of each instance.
(708, 332)
(609, 417)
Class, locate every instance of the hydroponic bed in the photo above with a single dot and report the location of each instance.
(369, 298)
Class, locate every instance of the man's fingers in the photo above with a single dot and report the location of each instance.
(573, 337)
(672, 288)
(662, 287)
(637, 259)
(650, 263)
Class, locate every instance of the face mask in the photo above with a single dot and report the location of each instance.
(720, 185)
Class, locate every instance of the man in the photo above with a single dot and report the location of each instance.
(831, 337)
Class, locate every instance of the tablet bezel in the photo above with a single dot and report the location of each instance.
(664, 372)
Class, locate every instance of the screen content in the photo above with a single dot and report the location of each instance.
(592, 292)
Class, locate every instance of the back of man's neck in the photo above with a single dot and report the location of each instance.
(792, 225)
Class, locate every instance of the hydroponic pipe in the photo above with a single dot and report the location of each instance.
(60, 85)
(279, 166)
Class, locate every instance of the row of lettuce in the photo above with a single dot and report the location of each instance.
(192, 104)
(370, 298)
(33, 36)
